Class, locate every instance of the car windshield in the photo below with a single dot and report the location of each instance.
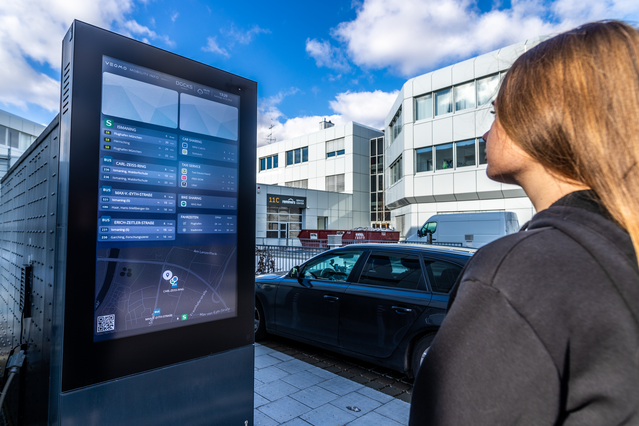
(334, 266)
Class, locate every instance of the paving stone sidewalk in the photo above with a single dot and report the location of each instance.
(291, 392)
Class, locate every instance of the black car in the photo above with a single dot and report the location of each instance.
(382, 303)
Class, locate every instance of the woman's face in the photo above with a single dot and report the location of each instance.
(506, 160)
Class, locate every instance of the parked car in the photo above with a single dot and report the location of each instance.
(381, 303)
(466, 229)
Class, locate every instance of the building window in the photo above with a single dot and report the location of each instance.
(335, 148)
(482, 151)
(465, 151)
(14, 138)
(378, 210)
(444, 156)
(396, 171)
(449, 156)
(424, 107)
(296, 156)
(487, 89)
(283, 222)
(444, 102)
(424, 158)
(335, 183)
(465, 96)
(396, 125)
(297, 183)
(457, 98)
(268, 163)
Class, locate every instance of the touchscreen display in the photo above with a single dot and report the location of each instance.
(167, 202)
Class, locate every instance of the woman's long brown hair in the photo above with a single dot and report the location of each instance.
(572, 103)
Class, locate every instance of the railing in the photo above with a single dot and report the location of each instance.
(282, 258)
(270, 258)
(324, 243)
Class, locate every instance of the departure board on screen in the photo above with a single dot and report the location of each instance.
(167, 202)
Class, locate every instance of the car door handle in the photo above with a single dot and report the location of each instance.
(401, 310)
(331, 298)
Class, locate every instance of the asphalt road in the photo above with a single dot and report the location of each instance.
(382, 379)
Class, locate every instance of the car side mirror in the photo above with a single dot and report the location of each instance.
(420, 233)
(295, 272)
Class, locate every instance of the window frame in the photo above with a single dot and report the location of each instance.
(421, 284)
(293, 155)
(417, 101)
(396, 169)
(326, 258)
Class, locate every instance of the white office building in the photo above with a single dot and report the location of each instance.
(328, 169)
(16, 134)
(434, 151)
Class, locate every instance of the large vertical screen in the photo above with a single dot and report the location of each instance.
(167, 202)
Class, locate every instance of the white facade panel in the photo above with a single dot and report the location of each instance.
(423, 134)
(465, 185)
(464, 71)
(407, 111)
(464, 126)
(442, 78)
(444, 186)
(443, 130)
(422, 84)
(487, 64)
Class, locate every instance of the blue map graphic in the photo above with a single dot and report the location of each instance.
(135, 100)
(208, 118)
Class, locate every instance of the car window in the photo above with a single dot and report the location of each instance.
(429, 226)
(442, 275)
(393, 270)
(333, 267)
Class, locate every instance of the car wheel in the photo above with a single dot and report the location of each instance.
(421, 348)
(259, 325)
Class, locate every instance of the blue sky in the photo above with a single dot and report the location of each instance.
(341, 60)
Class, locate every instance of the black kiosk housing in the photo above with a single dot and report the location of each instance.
(136, 250)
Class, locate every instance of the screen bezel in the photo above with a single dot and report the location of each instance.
(86, 362)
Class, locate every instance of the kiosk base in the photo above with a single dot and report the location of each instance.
(214, 390)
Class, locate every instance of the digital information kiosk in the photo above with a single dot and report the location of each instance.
(155, 238)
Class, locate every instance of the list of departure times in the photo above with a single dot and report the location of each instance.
(167, 202)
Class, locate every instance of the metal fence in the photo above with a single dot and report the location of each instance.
(272, 258)
(282, 258)
(324, 243)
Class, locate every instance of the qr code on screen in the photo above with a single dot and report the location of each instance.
(106, 323)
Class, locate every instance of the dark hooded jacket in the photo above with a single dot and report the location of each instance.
(544, 329)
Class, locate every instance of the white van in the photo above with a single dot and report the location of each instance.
(466, 229)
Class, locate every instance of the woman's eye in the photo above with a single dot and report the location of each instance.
(492, 111)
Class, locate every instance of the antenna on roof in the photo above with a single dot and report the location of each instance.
(270, 139)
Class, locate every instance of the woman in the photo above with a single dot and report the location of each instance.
(544, 328)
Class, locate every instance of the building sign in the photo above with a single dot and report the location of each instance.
(285, 201)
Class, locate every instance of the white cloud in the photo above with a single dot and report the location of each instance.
(174, 16)
(213, 47)
(411, 36)
(244, 37)
(32, 30)
(326, 55)
(368, 108)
